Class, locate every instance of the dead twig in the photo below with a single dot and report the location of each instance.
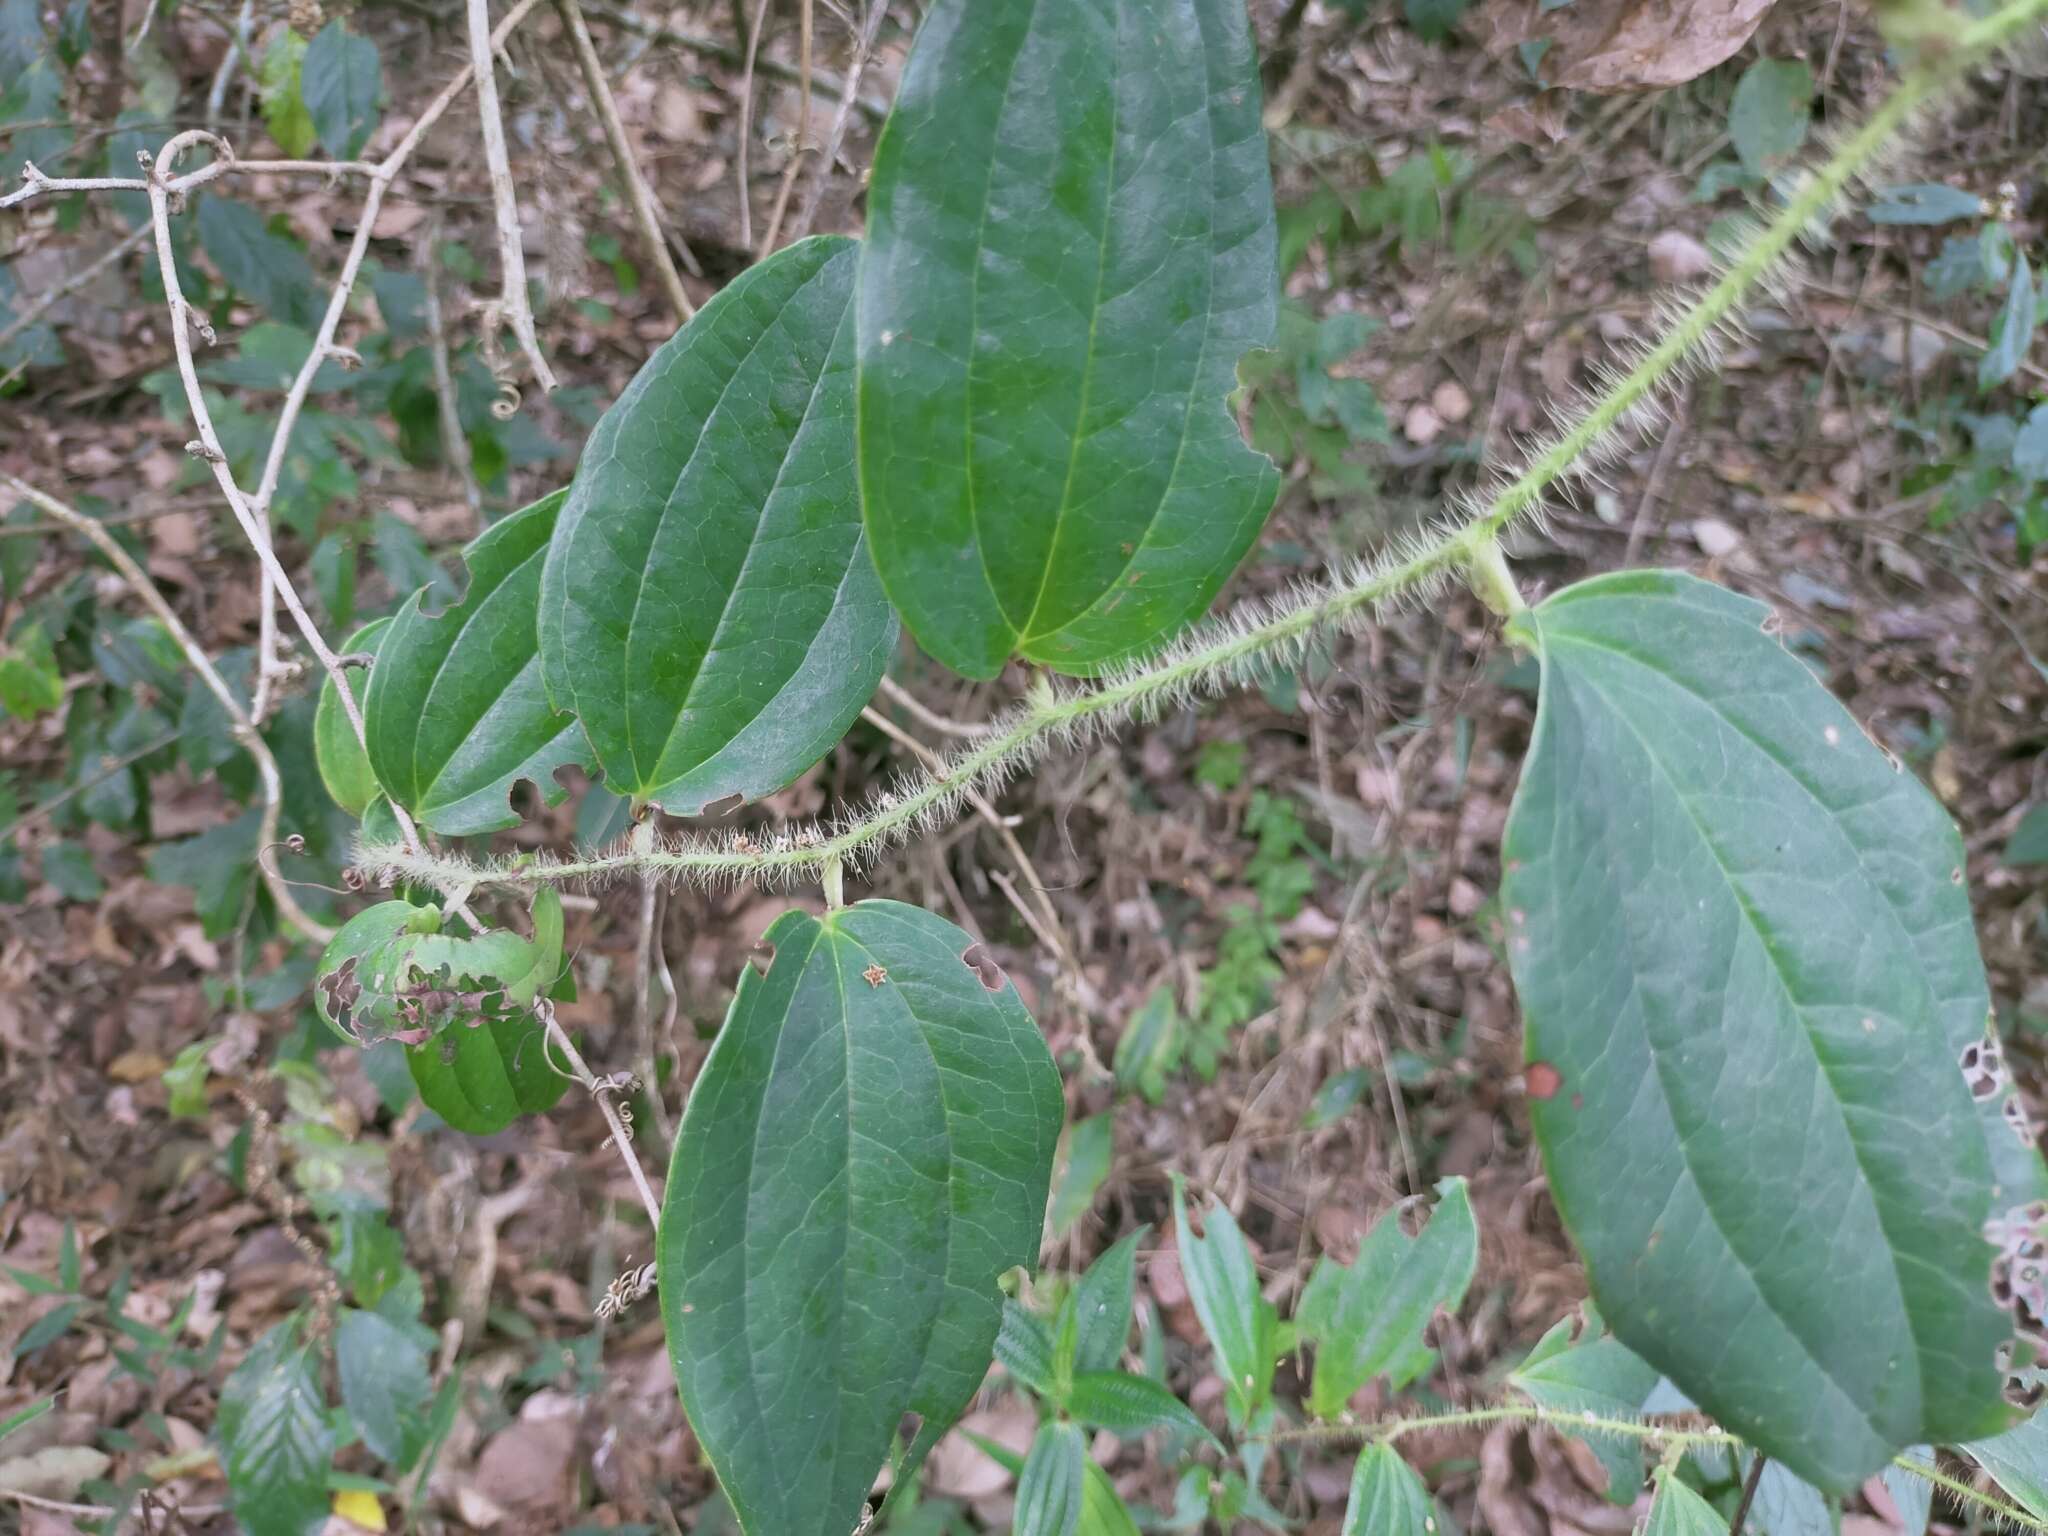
(513, 306)
(863, 50)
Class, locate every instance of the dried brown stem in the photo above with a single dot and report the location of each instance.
(863, 50)
(514, 307)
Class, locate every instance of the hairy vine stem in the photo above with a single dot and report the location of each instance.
(1223, 652)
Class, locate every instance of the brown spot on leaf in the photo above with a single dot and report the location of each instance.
(978, 960)
(1543, 1080)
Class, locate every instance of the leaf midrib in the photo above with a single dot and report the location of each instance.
(1757, 930)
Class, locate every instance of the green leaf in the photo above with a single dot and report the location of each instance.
(30, 684)
(1678, 1511)
(1129, 1405)
(263, 266)
(1051, 1488)
(455, 714)
(1368, 1320)
(2013, 331)
(1599, 1375)
(866, 1150)
(364, 1250)
(25, 1416)
(1023, 1347)
(284, 104)
(1102, 1510)
(1387, 1498)
(1924, 202)
(2018, 1461)
(1102, 1304)
(1223, 1283)
(1070, 244)
(68, 866)
(344, 767)
(218, 865)
(275, 1440)
(384, 1385)
(185, 1080)
(1084, 1162)
(2030, 445)
(1150, 1047)
(48, 1328)
(1786, 1505)
(1770, 112)
(341, 81)
(1745, 955)
(2029, 841)
(708, 607)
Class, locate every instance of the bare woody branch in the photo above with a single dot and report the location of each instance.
(514, 308)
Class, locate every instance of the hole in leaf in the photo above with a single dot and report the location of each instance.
(978, 960)
(761, 957)
(1983, 1069)
(723, 806)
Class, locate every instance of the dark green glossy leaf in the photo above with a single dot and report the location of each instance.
(455, 713)
(867, 1149)
(1387, 1498)
(341, 81)
(1747, 968)
(708, 607)
(1070, 244)
(384, 1385)
(344, 768)
(1051, 1488)
(1223, 1283)
(274, 1436)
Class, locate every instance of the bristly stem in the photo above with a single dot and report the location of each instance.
(1220, 653)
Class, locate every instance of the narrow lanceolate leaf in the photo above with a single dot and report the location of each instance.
(275, 1440)
(1387, 1498)
(867, 1150)
(1102, 1304)
(1129, 1405)
(1368, 1319)
(1223, 1283)
(1070, 245)
(1050, 1489)
(455, 714)
(1748, 973)
(708, 607)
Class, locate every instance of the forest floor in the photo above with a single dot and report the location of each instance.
(1365, 1045)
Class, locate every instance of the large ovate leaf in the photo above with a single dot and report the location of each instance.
(1367, 1319)
(455, 714)
(708, 607)
(1070, 244)
(275, 1440)
(868, 1148)
(1747, 969)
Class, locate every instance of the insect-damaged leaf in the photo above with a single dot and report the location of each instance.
(867, 1150)
(708, 607)
(1742, 942)
(462, 1007)
(1070, 245)
(455, 714)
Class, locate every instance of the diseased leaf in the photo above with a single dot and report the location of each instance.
(1367, 1320)
(708, 607)
(1223, 1283)
(1050, 1489)
(274, 1436)
(1070, 244)
(384, 1385)
(1387, 1498)
(344, 768)
(1746, 963)
(284, 104)
(341, 80)
(867, 1149)
(455, 713)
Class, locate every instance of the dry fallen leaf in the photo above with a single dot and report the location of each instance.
(1623, 45)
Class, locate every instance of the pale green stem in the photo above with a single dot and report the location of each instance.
(1588, 1423)
(1227, 650)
